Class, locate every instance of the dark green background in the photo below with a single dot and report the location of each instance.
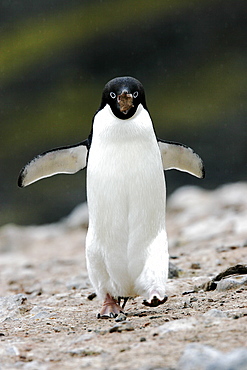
(56, 56)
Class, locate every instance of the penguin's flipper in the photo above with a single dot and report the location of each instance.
(180, 157)
(69, 159)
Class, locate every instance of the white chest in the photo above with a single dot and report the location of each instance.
(123, 145)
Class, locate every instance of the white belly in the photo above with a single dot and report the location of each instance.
(126, 242)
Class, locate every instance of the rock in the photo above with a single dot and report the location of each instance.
(84, 337)
(201, 357)
(236, 360)
(195, 266)
(231, 283)
(173, 271)
(43, 315)
(124, 326)
(83, 352)
(121, 317)
(13, 306)
(176, 325)
(91, 296)
(222, 281)
(215, 313)
(38, 313)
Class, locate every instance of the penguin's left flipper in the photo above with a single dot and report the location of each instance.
(180, 157)
(69, 159)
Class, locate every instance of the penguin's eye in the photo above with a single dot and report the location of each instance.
(135, 94)
(112, 95)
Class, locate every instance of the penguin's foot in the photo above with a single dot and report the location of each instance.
(110, 308)
(155, 300)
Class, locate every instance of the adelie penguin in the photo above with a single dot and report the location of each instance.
(126, 244)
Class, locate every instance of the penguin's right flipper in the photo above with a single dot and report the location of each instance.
(69, 159)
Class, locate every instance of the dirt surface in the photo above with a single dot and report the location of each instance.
(48, 322)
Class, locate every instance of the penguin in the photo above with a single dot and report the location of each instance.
(126, 243)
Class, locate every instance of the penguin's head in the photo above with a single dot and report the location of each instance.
(123, 95)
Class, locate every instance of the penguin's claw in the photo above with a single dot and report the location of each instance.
(110, 308)
(111, 315)
(125, 300)
(155, 301)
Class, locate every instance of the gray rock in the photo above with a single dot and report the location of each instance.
(42, 315)
(12, 306)
(39, 312)
(87, 351)
(235, 360)
(121, 317)
(215, 313)
(173, 271)
(176, 325)
(201, 357)
(84, 337)
(231, 283)
(123, 326)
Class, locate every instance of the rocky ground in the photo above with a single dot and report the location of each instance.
(48, 322)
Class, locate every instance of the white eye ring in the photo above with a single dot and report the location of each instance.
(112, 95)
(135, 94)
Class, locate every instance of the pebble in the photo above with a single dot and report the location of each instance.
(88, 351)
(173, 271)
(195, 266)
(121, 317)
(124, 326)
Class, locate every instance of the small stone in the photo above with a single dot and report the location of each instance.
(187, 304)
(193, 299)
(188, 292)
(173, 271)
(91, 296)
(143, 339)
(195, 266)
(83, 352)
(124, 326)
(121, 317)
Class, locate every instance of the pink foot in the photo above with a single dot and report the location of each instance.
(110, 308)
(154, 300)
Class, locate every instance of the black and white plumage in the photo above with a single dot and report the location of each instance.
(126, 245)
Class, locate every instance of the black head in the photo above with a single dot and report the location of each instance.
(123, 94)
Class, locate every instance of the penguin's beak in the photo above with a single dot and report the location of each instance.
(125, 101)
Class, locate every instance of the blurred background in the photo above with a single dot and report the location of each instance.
(57, 55)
